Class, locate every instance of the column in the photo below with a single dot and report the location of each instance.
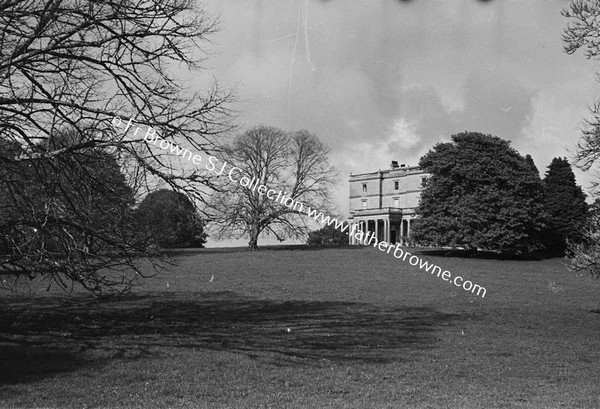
(386, 231)
(401, 238)
(377, 229)
(399, 232)
(362, 229)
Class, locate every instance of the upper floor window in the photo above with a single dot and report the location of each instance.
(423, 182)
(364, 204)
(396, 202)
(396, 185)
(364, 187)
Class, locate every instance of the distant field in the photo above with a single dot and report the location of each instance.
(365, 331)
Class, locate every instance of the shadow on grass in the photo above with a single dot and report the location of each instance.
(485, 255)
(288, 247)
(28, 362)
(426, 251)
(46, 335)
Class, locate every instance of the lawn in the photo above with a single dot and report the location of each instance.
(299, 328)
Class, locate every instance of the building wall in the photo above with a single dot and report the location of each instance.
(381, 189)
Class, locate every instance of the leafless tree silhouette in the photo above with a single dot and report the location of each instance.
(295, 164)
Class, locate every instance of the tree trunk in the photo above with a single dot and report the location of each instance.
(253, 243)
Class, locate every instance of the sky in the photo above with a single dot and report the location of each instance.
(384, 80)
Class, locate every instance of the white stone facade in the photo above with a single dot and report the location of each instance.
(384, 202)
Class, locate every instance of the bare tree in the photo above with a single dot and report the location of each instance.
(583, 32)
(82, 66)
(293, 166)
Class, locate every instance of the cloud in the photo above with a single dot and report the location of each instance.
(386, 80)
(496, 103)
(404, 135)
(422, 107)
(491, 103)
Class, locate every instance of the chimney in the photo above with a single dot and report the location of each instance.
(394, 164)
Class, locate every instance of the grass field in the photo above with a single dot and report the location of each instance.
(365, 331)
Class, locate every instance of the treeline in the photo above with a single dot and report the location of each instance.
(69, 216)
(483, 194)
(83, 202)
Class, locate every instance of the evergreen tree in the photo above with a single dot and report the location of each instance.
(531, 163)
(67, 216)
(565, 205)
(169, 219)
(481, 194)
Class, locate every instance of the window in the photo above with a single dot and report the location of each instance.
(364, 188)
(423, 182)
(396, 202)
(364, 204)
(396, 185)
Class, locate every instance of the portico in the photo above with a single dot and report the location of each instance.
(384, 224)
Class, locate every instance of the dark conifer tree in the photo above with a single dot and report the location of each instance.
(565, 205)
(531, 163)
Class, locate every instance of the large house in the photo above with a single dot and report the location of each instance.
(384, 202)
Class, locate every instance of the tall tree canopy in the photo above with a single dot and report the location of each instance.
(170, 219)
(481, 194)
(296, 164)
(82, 65)
(565, 206)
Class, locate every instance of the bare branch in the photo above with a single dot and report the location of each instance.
(67, 69)
(293, 166)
